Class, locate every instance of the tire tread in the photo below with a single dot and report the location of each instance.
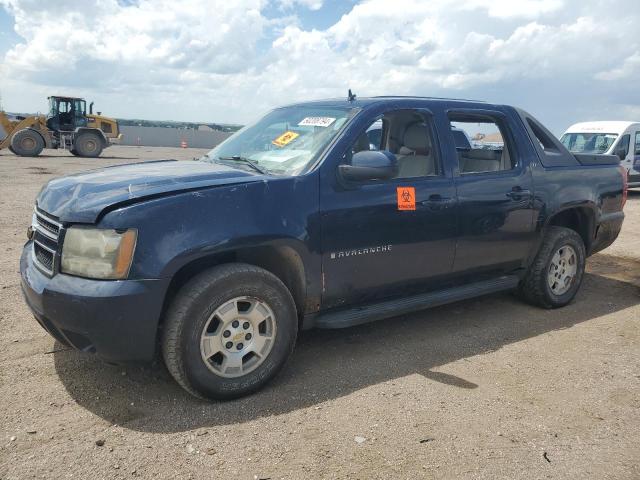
(174, 319)
(532, 288)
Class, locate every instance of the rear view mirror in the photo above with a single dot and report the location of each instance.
(621, 153)
(368, 165)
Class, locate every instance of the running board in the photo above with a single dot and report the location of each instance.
(391, 308)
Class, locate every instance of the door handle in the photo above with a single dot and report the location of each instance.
(437, 202)
(518, 193)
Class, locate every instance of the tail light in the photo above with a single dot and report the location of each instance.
(625, 184)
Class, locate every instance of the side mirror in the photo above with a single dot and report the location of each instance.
(622, 153)
(370, 165)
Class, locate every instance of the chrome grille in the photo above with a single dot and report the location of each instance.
(46, 234)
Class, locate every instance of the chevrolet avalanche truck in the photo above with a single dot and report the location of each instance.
(302, 220)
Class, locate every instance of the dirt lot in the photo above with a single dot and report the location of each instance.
(489, 388)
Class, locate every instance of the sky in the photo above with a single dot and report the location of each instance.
(225, 61)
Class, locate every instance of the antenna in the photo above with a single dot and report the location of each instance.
(351, 96)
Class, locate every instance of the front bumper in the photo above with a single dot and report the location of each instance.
(117, 320)
(633, 180)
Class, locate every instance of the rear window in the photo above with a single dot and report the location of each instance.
(596, 143)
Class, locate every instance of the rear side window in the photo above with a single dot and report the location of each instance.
(545, 140)
(637, 149)
(480, 144)
(551, 152)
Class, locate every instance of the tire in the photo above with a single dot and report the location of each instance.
(74, 152)
(194, 317)
(27, 143)
(545, 285)
(88, 144)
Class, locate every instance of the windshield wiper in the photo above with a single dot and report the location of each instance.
(238, 158)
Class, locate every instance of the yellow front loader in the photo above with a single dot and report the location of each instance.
(67, 125)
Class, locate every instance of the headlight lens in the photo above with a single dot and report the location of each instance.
(97, 253)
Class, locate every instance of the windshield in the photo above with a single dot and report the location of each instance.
(588, 142)
(285, 141)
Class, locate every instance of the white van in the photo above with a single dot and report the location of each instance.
(614, 138)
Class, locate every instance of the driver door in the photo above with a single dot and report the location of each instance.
(386, 238)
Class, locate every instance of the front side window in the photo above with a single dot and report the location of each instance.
(80, 106)
(64, 106)
(480, 144)
(285, 141)
(588, 142)
(408, 135)
(622, 149)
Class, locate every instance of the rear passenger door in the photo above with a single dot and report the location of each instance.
(495, 194)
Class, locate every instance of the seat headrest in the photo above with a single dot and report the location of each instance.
(416, 137)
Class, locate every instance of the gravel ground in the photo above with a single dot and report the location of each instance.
(488, 388)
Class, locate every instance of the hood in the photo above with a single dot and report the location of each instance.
(82, 197)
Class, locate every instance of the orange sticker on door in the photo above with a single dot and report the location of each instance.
(406, 198)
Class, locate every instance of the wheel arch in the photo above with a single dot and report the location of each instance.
(80, 130)
(283, 261)
(581, 219)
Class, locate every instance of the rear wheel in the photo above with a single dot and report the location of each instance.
(27, 143)
(555, 275)
(229, 331)
(88, 144)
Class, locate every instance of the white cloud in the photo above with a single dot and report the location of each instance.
(515, 8)
(629, 68)
(221, 60)
(310, 4)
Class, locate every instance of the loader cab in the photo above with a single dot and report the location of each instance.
(66, 113)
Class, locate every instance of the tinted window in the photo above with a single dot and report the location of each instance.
(589, 142)
(408, 135)
(374, 133)
(487, 150)
(461, 140)
(637, 149)
(64, 106)
(622, 149)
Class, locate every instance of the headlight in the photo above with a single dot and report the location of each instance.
(96, 253)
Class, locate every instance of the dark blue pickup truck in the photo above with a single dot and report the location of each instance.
(324, 214)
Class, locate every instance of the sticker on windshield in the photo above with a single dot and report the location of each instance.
(285, 138)
(317, 121)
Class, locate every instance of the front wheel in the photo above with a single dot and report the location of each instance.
(27, 143)
(229, 331)
(554, 277)
(87, 144)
